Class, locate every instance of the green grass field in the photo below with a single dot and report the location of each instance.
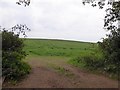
(47, 47)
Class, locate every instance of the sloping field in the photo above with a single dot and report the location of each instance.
(46, 47)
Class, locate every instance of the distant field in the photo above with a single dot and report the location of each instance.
(47, 47)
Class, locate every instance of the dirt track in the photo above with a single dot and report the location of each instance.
(47, 73)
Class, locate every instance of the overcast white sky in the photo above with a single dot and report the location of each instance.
(55, 19)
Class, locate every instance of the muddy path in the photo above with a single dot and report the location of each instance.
(55, 72)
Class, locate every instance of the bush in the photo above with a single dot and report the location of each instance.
(111, 49)
(101, 64)
(12, 54)
(92, 62)
(88, 61)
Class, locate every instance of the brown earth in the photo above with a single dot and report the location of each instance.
(55, 72)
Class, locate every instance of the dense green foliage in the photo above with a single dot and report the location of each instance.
(12, 54)
(111, 45)
(89, 61)
(58, 48)
(111, 50)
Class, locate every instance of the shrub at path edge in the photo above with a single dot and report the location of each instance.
(13, 68)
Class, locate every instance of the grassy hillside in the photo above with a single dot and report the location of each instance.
(84, 55)
(47, 47)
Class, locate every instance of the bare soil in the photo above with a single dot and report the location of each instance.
(46, 73)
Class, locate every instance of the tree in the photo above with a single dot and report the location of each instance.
(112, 12)
(110, 45)
(13, 67)
(23, 2)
